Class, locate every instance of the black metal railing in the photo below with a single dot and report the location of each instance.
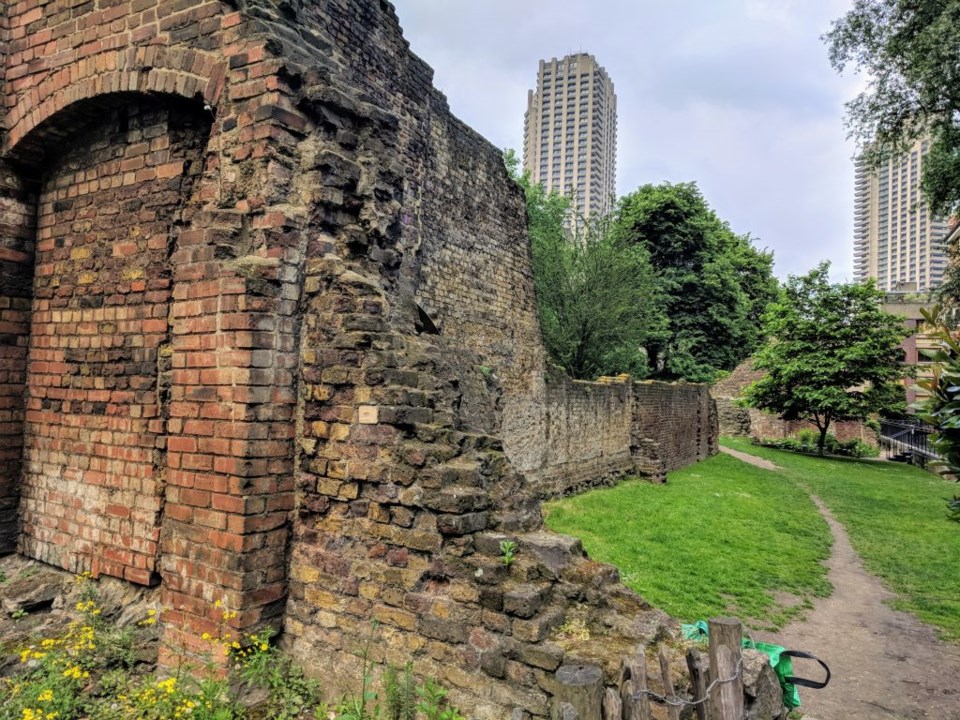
(907, 440)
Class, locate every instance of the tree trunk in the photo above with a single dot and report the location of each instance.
(823, 437)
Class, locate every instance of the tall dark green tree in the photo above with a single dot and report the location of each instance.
(910, 54)
(833, 353)
(715, 283)
(596, 295)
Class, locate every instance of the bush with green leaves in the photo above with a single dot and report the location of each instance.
(806, 441)
(597, 297)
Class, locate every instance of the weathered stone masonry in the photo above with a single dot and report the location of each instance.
(267, 335)
(579, 435)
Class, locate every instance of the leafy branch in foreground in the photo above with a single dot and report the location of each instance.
(941, 405)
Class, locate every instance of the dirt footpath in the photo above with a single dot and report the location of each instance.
(886, 664)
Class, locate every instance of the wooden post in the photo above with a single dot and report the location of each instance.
(673, 711)
(698, 682)
(580, 687)
(726, 663)
(612, 705)
(633, 679)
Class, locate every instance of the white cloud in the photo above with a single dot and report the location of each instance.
(737, 95)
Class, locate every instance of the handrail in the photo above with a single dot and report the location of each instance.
(908, 436)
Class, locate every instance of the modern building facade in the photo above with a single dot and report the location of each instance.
(570, 132)
(896, 240)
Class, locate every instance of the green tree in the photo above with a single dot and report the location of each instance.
(596, 295)
(833, 353)
(909, 52)
(715, 283)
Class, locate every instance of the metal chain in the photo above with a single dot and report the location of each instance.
(693, 703)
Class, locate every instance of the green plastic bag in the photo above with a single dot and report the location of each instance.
(782, 665)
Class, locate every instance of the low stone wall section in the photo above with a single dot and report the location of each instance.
(734, 420)
(596, 433)
(675, 425)
(767, 425)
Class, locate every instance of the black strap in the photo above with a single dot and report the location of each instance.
(803, 682)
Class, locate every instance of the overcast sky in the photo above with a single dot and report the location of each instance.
(737, 95)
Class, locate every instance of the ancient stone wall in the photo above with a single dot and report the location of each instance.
(675, 424)
(587, 437)
(291, 297)
(597, 433)
(734, 420)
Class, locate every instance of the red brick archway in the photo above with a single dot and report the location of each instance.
(99, 368)
(185, 73)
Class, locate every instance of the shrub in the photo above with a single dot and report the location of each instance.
(805, 441)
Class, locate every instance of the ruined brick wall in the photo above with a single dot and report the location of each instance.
(587, 437)
(676, 424)
(597, 433)
(17, 221)
(167, 326)
(334, 376)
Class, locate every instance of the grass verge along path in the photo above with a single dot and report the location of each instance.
(896, 518)
(720, 537)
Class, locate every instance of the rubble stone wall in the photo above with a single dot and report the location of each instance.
(675, 425)
(734, 420)
(597, 433)
(587, 436)
(306, 343)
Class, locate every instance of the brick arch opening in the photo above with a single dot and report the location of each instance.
(155, 70)
(113, 178)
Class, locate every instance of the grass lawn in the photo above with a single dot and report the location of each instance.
(896, 517)
(721, 537)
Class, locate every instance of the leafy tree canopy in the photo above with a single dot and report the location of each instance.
(715, 283)
(910, 53)
(596, 295)
(833, 353)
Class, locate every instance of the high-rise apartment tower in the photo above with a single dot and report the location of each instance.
(570, 132)
(896, 240)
